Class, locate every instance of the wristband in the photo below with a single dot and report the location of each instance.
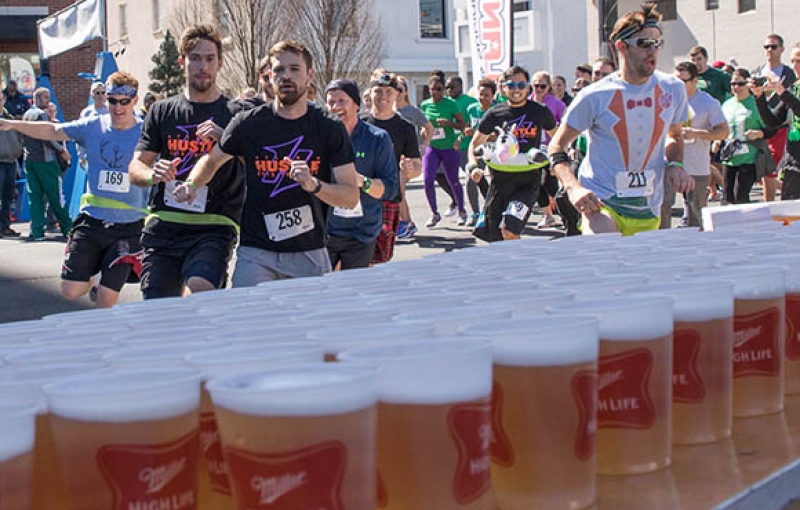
(675, 163)
(317, 189)
(557, 158)
(192, 184)
(367, 184)
(149, 180)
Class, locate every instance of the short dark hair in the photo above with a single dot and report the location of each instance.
(295, 47)
(741, 71)
(776, 37)
(489, 84)
(688, 67)
(195, 33)
(698, 50)
(636, 21)
(511, 71)
(439, 73)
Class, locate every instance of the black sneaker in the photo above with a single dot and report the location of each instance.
(9, 232)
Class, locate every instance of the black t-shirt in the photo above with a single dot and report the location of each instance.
(278, 214)
(403, 135)
(170, 130)
(240, 105)
(530, 120)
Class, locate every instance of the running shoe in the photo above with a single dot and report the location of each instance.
(451, 211)
(402, 228)
(434, 220)
(547, 222)
(473, 219)
(411, 230)
(9, 232)
(462, 218)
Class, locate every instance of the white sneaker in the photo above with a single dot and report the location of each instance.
(434, 220)
(547, 221)
(450, 212)
(462, 218)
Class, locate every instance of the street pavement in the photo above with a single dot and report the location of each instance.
(29, 272)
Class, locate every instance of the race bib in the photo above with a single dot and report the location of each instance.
(289, 223)
(198, 205)
(742, 149)
(356, 212)
(640, 183)
(516, 209)
(114, 181)
(438, 134)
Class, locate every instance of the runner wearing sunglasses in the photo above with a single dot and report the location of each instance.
(634, 118)
(105, 235)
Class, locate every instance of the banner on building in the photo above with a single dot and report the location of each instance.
(69, 28)
(490, 30)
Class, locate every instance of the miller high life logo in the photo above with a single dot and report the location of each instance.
(471, 429)
(624, 400)
(687, 386)
(584, 390)
(755, 343)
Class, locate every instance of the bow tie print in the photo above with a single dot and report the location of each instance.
(647, 103)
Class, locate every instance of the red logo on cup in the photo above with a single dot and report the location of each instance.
(792, 319)
(502, 453)
(687, 386)
(755, 343)
(382, 497)
(152, 476)
(623, 396)
(212, 451)
(306, 478)
(471, 428)
(584, 390)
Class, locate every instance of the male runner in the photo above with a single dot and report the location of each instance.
(188, 245)
(634, 118)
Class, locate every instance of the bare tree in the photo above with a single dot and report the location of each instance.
(344, 37)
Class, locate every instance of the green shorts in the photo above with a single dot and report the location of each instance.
(629, 226)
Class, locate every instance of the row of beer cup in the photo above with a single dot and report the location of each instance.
(516, 411)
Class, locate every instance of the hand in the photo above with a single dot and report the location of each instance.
(165, 170)
(5, 125)
(679, 180)
(210, 130)
(755, 89)
(299, 172)
(442, 122)
(468, 131)
(67, 156)
(753, 134)
(184, 193)
(476, 174)
(584, 200)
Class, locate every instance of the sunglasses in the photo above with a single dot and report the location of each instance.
(738, 83)
(516, 85)
(542, 86)
(577, 90)
(124, 102)
(771, 46)
(99, 92)
(645, 42)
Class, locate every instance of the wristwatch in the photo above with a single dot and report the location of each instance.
(317, 188)
(367, 184)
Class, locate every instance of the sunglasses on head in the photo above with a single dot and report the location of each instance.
(516, 85)
(645, 42)
(771, 46)
(124, 102)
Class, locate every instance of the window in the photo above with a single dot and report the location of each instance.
(747, 5)
(522, 5)
(157, 15)
(712, 5)
(123, 20)
(668, 9)
(431, 19)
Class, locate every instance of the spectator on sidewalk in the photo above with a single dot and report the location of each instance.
(11, 149)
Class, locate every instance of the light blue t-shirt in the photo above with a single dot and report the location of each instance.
(108, 153)
(626, 128)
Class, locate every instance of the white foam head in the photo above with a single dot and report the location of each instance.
(118, 396)
(447, 320)
(241, 359)
(789, 262)
(693, 301)
(246, 333)
(299, 390)
(625, 318)
(339, 339)
(429, 372)
(28, 380)
(762, 281)
(17, 427)
(171, 355)
(543, 341)
(61, 353)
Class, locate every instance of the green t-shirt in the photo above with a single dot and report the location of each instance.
(742, 116)
(716, 83)
(471, 119)
(464, 102)
(443, 137)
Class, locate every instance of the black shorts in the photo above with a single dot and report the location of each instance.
(180, 252)
(508, 204)
(111, 248)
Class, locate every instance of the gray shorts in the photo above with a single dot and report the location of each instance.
(254, 265)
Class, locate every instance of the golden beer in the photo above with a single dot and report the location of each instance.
(128, 439)
(304, 436)
(17, 426)
(792, 348)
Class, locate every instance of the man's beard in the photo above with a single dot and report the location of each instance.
(290, 98)
(201, 86)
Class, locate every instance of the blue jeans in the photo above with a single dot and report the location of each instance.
(8, 178)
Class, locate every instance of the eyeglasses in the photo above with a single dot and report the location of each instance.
(124, 102)
(521, 85)
(771, 46)
(738, 83)
(645, 42)
(99, 92)
(542, 86)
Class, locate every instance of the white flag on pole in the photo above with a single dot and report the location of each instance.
(70, 27)
(490, 37)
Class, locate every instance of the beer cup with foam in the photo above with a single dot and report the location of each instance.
(17, 430)
(434, 423)
(302, 436)
(634, 382)
(544, 411)
(128, 439)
